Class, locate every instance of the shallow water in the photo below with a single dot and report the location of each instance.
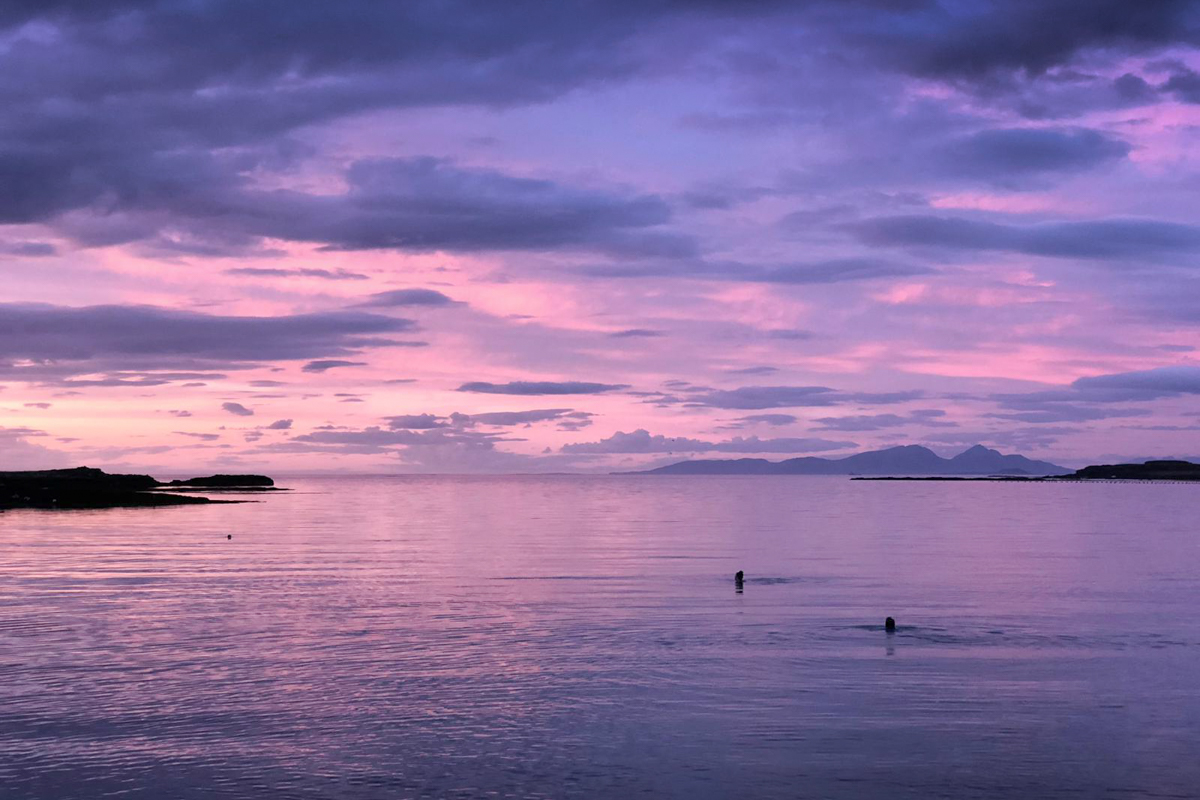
(581, 637)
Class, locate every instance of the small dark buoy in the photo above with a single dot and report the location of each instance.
(889, 625)
(229, 536)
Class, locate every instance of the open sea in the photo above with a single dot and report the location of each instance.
(581, 637)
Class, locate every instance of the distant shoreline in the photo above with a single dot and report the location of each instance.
(1148, 472)
(88, 488)
(900, 460)
(1020, 479)
(915, 463)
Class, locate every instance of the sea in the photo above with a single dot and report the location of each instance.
(583, 637)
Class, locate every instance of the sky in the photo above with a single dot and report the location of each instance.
(456, 237)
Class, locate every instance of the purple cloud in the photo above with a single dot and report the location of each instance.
(237, 409)
(641, 441)
(541, 387)
(1097, 239)
(407, 297)
(324, 365)
(301, 272)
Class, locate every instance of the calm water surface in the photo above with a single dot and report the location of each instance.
(581, 637)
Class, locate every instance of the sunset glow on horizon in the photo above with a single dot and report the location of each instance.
(522, 237)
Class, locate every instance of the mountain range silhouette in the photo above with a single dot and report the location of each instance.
(903, 460)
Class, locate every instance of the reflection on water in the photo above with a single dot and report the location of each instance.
(578, 637)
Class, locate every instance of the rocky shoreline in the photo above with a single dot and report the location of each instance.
(1182, 471)
(86, 487)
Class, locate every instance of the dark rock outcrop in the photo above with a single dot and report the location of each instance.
(225, 481)
(85, 487)
(1149, 471)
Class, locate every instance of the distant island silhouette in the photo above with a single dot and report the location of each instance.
(903, 460)
(85, 487)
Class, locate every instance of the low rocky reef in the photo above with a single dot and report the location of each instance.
(224, 483)
(1149, 471)
(85, 487)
